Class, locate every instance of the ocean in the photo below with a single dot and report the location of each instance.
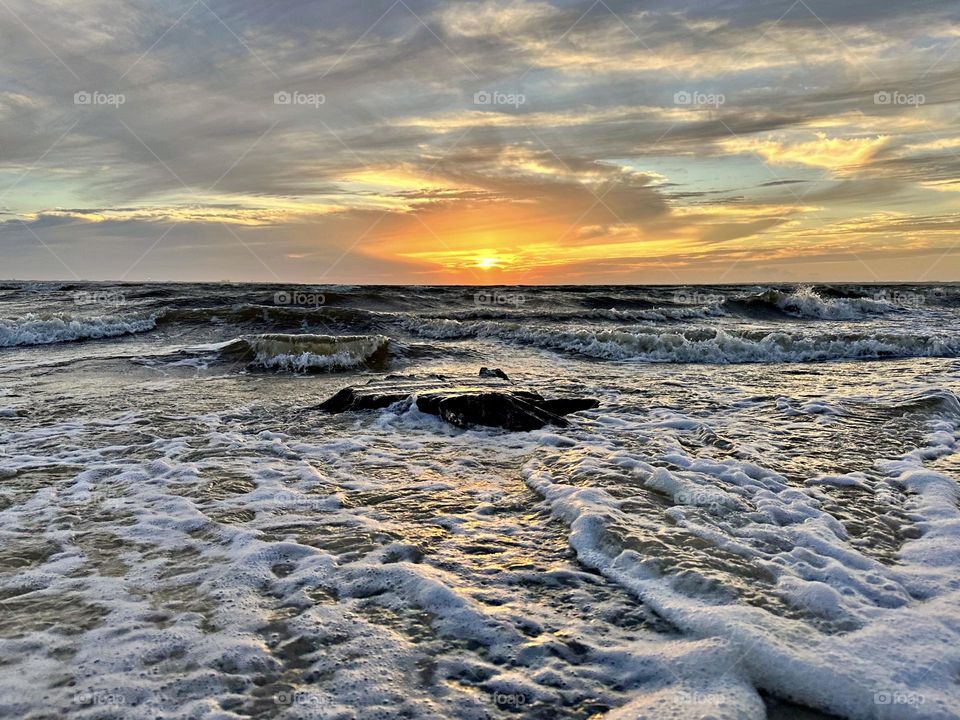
(759, 520)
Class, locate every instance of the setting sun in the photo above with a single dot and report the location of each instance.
(487, 263)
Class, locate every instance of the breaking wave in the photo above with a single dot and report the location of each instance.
(64, 327)
(307, 353)
(702, 345)
(806, 302)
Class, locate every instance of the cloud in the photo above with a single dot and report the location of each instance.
(835, 154)
(399, 169)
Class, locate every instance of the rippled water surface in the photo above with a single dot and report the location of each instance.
(759, 520)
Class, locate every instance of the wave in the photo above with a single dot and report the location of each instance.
(935, 401)
(807, 302)
(306, 353)
(701, 345)
(620, 301)
(659, 314)
(678, 312)
(270, 314)
(63, 327)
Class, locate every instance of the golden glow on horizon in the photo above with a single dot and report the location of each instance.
(519, 217)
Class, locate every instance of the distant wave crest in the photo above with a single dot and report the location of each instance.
(806, 302)
(702, 345)
(38, 329)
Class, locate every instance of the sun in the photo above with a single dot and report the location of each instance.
(486, 263)
(489, 260)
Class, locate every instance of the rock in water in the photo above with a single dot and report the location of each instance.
(565, 406)
(486, 372)
(489, 402)
(509, 410)
(356, 399)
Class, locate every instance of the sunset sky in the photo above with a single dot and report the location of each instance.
(413, 141)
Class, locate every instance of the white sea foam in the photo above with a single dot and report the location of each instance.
(63, 327)
(899, 654)
(177, 563)
(305, 361)
(200, 611)
(805, 302)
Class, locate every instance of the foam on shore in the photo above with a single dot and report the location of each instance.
(871, 640)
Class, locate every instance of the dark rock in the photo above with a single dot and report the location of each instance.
(355, 399)
(486, 402)
(486, 372)
(565, 406)
(511, 411)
